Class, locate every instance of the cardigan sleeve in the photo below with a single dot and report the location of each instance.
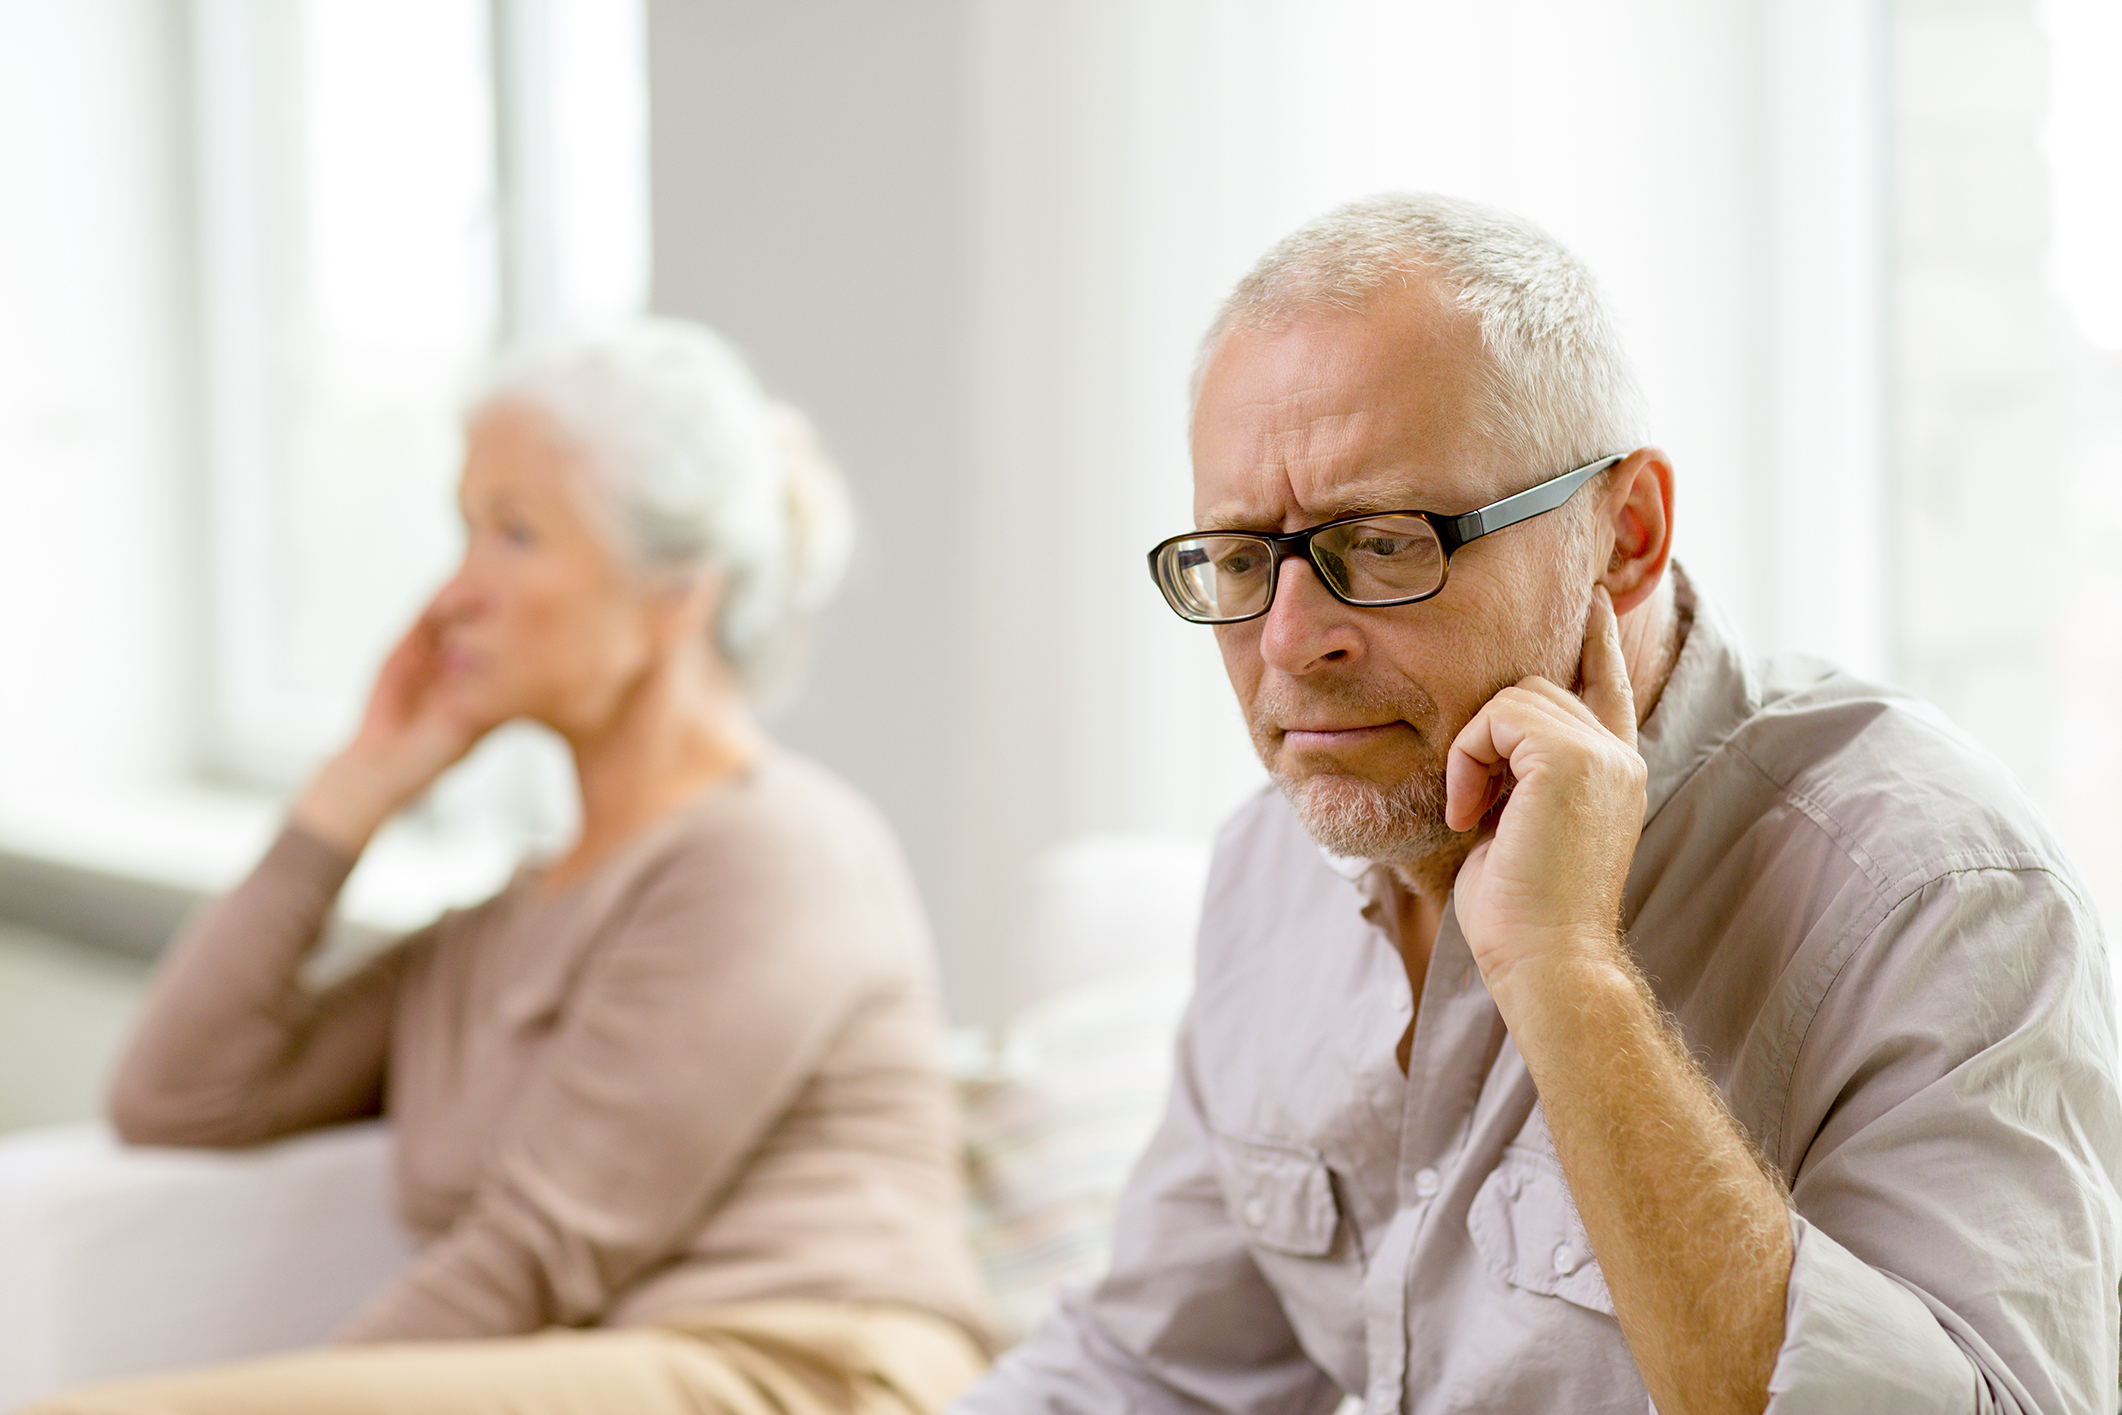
(231, 1048)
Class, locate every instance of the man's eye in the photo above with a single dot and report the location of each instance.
(1239, 563)
(1381, 547)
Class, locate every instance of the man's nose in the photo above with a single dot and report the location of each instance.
(1306, 626)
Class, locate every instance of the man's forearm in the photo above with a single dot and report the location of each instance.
(1692, 1234)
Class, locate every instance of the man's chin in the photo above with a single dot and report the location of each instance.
(1402, 824)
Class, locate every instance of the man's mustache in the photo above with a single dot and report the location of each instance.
(1282, 706)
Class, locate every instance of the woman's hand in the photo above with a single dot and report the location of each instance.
(411, 731)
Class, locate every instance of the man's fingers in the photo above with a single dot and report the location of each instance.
(1606, 689)
(1481, 755)
(1470, 788)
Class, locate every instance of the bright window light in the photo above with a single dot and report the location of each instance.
(600, 160)
(399, 191)
(391, 308)
(390, 190)
(2083, 143)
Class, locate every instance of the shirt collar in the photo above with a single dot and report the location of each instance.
(1371, 881)
(1709, 694)
(1350, 867)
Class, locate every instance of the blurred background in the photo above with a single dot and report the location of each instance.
(1868, 254)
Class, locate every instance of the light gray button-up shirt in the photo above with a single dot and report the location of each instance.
(1877, 953)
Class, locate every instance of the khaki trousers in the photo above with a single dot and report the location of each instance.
(782, 1357)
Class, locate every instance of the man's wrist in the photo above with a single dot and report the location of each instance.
(1589, 970)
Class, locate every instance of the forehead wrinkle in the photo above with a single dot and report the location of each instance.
(1237, 516)
(1332, 415)
(1300, 469)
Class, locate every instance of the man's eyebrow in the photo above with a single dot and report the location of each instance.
(1372, 503)
(1230, 518)
(1235, 518)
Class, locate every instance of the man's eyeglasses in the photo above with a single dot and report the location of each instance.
(1373, 559)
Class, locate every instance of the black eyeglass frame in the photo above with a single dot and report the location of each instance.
(1452, 532)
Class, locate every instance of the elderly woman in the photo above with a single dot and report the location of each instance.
(669, 1119)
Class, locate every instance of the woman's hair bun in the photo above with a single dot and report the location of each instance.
(821, 521)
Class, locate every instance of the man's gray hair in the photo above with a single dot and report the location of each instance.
(704, 471)
(1559, 390)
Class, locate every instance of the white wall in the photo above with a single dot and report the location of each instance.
(2009, 420)
(979, 239)
(808, 200)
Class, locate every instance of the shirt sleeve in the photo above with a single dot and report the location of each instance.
(231, 1047)
(691, 1027)
(1182, 1323)
(1956, 1226)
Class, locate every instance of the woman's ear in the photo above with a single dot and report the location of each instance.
(1636, 511)
(686, 606)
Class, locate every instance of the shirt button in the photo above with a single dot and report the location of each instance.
(1402, 1000)
(1381, 1403)
(1566, 1260)
(1426, 1183)
(1255, 1211)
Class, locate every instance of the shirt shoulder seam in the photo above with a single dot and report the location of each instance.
(1888, 894)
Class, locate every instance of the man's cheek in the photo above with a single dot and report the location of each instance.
(1240, 646)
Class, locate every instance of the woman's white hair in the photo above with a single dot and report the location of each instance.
(1559, 390)
(704, 471)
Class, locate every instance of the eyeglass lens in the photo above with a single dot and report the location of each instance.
(1386, 560)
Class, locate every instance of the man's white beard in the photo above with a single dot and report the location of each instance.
(1400, 824)
(1395, 823)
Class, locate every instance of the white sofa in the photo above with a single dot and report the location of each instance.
(115, 1261)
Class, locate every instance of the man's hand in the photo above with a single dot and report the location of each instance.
(1692, 1236)
(1545, 887)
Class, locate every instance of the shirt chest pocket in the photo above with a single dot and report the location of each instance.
(1527, 1231)
(1281, 1196)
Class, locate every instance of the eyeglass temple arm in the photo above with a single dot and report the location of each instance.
(1458, 530)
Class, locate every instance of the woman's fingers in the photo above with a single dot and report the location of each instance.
(409, 674)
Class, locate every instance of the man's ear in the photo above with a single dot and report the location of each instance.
(1636, 511)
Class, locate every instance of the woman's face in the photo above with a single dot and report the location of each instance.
(544, 618)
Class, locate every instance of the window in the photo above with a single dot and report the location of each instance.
(387, 191)
(2008, 398)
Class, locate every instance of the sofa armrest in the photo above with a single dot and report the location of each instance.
(1066, 1091)
(116, 1260)
(1053, 1125)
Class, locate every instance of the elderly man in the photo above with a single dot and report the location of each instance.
(1594, 1013)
